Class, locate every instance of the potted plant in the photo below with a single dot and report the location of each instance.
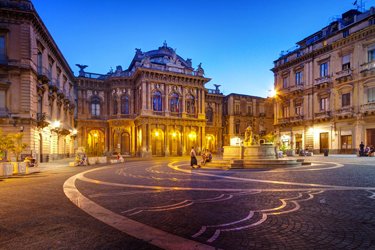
(6, 145)
(18, 147)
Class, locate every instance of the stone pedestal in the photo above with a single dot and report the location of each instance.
(263, 151)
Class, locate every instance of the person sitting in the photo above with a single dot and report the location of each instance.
(120, 158)
(366, 151)
(208, 156)
(371, 151)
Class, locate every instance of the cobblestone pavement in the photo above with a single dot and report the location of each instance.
(326, 205)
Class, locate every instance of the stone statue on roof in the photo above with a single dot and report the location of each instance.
(200, 71)
(81, 69)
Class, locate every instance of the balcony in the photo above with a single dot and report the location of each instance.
(323, 81)
(44, 74)
(297, 88)
(323, 114)
(175, 114)
(367, 67)
(283, 120)
(368, 107)
(344, 75)
(160, 113)
(345, 112)
(191, 115)
(297, 118)
(41, 120)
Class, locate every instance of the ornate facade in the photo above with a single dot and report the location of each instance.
(326, 87)
(36, 83)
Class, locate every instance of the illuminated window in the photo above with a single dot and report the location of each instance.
(157, 101)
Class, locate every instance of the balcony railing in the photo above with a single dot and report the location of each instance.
(323, 79)
(191, 115)
(175, 114)
(44, 73)
(161, 113)
(297, 87)
(367, 66)
(323, 114)
(214, 91)
(345, 110)
(283, 120)
(344, 73)
(297, 118)
(368, 107)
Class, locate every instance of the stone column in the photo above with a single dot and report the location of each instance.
(183, 140)
(166, 140)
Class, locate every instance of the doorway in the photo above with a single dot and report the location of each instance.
(323, 142)
(370, 137)
(346, 144)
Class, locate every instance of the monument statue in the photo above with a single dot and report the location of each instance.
(248, 136)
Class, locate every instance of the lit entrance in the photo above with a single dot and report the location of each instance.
(323, 142)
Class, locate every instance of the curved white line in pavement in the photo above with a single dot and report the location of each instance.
(270, 181)
(371, 196)
(133, 228)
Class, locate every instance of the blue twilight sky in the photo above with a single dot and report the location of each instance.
(236, 41)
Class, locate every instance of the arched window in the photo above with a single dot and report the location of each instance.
(190, 104)
(95, 106)
(115, 106)
(156, 101)
(174, 103)
(209, 114)
(124, 104)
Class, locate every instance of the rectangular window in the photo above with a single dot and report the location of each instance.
(298, 110)
(345, 100)
(299, 76)
(237, 110)
(371, 55)
(371, 95)
(346, 62)
(285, 82)
(249, 110)
(324, 104)
(2, 99)
(323, 69)
(286, 111)
(345, 33)
(3, 54)
(237, 128)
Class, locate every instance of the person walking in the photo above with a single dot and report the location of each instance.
(193, 158)
(361, 149)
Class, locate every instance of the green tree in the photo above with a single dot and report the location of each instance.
(19, 146)
(6, 144)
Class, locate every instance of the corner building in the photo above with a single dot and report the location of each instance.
(36, 84)
(326, 87)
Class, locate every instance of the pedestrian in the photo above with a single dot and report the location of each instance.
(193, 156)
(361, 149)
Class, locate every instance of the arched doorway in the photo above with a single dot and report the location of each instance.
(210, 142)
(192, 142)
(95, 142)
(125, 143)
(157, 142)
(175, 143)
